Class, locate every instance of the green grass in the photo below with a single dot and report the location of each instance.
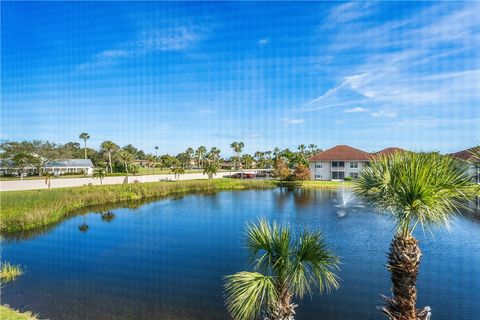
(24, 210)
(8, 314)
(9, 272)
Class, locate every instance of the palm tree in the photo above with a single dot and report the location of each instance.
(100, 173)
(151, 162)
(84, 136)
(126, 158)
(200, 153)
(211, 169)
(214, 154)
(156, 158)
(237, 148)
(189, 152)
(286, 266)
(177, 170)
(414, 188)
(109, 147)
(301, 148)
(48, 179)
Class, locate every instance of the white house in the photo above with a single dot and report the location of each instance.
(338, 163)
(467, 157)
(69, 166)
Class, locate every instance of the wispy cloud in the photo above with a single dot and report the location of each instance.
(356, 110)
(350, 11)
(399, 65)
(292, 121)
(383, 114)
(148, 41)
(263, 42)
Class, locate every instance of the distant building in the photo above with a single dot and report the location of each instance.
(70, 166)
(338, 163)
(467, 157)
(8, 168)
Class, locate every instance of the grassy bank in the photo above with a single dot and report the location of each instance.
(23, 210)
(8, 314)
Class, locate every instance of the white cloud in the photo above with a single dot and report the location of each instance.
(356, 110)
(292, 121)
(383, 114)
(263, 42)
(148, 41)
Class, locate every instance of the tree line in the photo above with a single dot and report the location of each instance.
(127, 159)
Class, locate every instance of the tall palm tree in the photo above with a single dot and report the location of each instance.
(237, 148)
(151, 162)
(84, 136)
(156, 158)
(214, 154)
(414, 189)
(286, 266)
(301, 148)
(109, 148)
(126, 158)
(200, 153)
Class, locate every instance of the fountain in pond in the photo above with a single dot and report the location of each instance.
(346, 196)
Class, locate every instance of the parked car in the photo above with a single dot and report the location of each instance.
(239, 175)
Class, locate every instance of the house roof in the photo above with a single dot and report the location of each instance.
(83, 163)
(465, 154)
(342, 153)
(388, 151)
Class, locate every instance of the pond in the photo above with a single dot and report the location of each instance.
(165, 259)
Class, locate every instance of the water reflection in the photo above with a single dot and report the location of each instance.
(166, 259)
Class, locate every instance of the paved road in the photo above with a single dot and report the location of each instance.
(11, 185)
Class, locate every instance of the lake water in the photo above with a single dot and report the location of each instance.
(166, 259)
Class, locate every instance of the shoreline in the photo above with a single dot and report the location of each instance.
(30, 209)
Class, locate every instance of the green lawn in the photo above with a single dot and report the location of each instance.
(8, 314)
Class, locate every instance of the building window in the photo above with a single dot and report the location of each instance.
(354, 175)
(318, 176)
(338, 175)
(338, 164)
(353, 164)
(318, 165)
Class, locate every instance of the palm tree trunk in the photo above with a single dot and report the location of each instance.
(403, 264)
(85, 146)
(283, 309)
(110, 161)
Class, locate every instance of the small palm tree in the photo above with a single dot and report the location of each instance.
(48, 178)
(177, 171)
(285, 266)
(84, 136)
(211, 169)
(100, 173)
(126, 158)
(415, 189)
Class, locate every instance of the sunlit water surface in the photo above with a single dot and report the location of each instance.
(166, 259)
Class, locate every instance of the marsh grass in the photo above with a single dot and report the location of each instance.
(9, 314)
(24, 210)
(9, 272)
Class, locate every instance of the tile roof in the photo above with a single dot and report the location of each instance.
(389, 151)
(465, 154)
(342, 153)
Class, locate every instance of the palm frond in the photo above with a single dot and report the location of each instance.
(313, 265)
(425, 188)
(246, 293)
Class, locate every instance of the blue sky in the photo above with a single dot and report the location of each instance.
(367, 74)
